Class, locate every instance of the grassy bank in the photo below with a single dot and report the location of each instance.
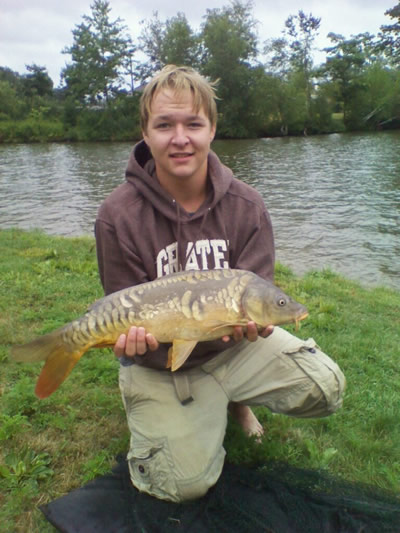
(52, 446)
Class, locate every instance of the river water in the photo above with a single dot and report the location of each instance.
(334, 200)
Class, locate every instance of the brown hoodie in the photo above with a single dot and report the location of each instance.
(142, 233)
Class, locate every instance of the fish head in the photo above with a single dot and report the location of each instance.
(266, 304)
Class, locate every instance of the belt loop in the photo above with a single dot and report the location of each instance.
(182, 387)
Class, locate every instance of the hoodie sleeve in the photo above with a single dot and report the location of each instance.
(119, 266)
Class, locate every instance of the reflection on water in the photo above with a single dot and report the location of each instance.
(57, 187)
(334, 200)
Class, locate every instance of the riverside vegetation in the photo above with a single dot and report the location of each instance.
(50, 447)
(264, 89)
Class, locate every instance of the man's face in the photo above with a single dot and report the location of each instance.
(178, 137)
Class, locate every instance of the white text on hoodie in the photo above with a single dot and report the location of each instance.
(203, 255)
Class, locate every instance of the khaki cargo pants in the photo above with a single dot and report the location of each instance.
(178, 424)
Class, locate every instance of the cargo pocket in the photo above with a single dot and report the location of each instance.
(321, 370)
(150, 470)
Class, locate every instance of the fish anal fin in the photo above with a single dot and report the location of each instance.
(179, 352)
(56, 369)
(104, 344)
(169, 360)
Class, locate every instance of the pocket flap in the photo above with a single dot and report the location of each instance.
(300, 345)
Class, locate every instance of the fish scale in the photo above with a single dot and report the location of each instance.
(180, 309)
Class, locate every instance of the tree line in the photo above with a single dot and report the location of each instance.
(264, 89)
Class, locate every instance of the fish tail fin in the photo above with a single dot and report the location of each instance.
(56, 369)
(37, 350)
(60, 360)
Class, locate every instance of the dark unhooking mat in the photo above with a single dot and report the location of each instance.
(276, 499)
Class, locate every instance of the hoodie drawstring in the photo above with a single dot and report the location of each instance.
(180, 252)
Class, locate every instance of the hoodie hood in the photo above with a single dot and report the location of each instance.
(141, 174)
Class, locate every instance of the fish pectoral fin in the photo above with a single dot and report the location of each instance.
(227, 325)
(179, 352)
(220, 326)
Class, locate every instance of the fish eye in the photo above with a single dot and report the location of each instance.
(281, 302)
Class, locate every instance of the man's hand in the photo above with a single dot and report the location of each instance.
(251, 332)
(137, 342)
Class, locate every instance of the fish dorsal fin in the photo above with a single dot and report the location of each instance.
(179, 352)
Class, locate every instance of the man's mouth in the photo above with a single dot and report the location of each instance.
(181, 155)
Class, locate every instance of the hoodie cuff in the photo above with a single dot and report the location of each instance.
(126, 361)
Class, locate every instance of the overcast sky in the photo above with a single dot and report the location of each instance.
(35, 31)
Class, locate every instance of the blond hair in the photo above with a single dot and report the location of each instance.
(180, 79)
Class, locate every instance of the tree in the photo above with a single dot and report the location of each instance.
(301, 31)
(37, 82)
(345, 67)
(382, 95)
(13, 78)
(291, 56)
(169, 42)
(130, 65)
(390, 37)
(99, 53)
(10, 104)
(230, 50)
(151, 44)
(181, 44)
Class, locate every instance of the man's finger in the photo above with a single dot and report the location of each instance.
(252, 332)
(141, 345)
(267, 331)
(152, 342)
(131, 340)
(238, 333)
(119, 348)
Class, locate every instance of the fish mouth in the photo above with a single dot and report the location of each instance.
(299, 318)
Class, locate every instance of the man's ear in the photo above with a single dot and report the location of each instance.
(213, 131)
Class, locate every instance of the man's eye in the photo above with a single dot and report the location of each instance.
(162, 125)
(195, 125)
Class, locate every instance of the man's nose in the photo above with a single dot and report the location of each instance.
(180, 137)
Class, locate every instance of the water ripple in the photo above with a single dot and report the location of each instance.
(334, 200)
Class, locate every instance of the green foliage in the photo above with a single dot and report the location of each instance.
(26, 469)
(364, 86)
(96, 466)
(37, 82)
(31, 130)
(291, 57)
(319, 458)
(170, 42)
(301, 31)
(389, 37)
(10, 104)
(357, 87)
(10, 426)
(119, 121)
(230, 45)
(98, 55)
(48, 281)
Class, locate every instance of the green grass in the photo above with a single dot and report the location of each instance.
(49, 447)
